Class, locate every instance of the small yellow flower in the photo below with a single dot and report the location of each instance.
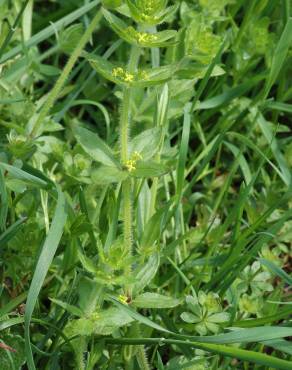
(128, 77)
(144, 75)
(130, 165)
(123, 299)
(136, 156)
(117, 72)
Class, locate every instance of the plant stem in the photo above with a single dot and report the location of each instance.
(126, 186)
(53, 95)
(124, 125)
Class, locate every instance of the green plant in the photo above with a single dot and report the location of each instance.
(145, 184)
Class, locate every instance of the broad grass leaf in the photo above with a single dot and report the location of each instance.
(45, 259)
(276, 270)
(279, 56)
(155, 300)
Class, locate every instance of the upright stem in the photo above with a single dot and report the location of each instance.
(126, 187)
(124, 125)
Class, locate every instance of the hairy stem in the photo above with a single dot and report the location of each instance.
(126, 186)
(53, 95)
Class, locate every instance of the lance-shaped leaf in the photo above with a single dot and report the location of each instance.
(95, 147)
(147, 169)
(134, 37)
(121, 76)
(154, 300)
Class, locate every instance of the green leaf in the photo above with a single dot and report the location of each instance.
(121, 76)
(183, 151)
(279, 56)
(112, 3)
(45, 259)
(4, 202)
(146, 143)
(148, 169)
(50, 30)
(142, 39)
(154, 300)
(70, 37)
(136, 316)
(154, 14)
(146, 273)
(108, 175)
(103, 322)
(14, 359)
(73, 310)
(26, 177)
(276, 270)
(11, 232)
(95, 147)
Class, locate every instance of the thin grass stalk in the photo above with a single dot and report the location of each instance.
(55, 92)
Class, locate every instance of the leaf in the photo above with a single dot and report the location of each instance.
(279, 56)
(121, 76)
(136, 316)
(276, 270)
(70, 37)
(103, 322)
(27, 178)
(189, 318)
(146, 273)
(141, 13)
(4, 202)
(95, 147)
(183, 151)
(142, 39)
(154, 300)
(49, 31)
(73, 310)
(11, 232)
(45, 259)
(107, 175)
(148, 169)
(146, 143)
(12, 355)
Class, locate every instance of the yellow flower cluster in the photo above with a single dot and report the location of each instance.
(122, 74)
(131, 163)
(141, 37)
(128, 77)
(123, 299)
(149, 6)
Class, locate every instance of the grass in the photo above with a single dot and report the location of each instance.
(145, 185)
